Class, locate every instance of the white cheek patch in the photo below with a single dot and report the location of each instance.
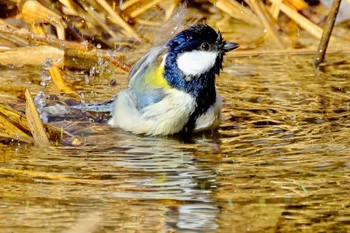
(196, 62)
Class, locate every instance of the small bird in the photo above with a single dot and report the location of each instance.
(176, 94)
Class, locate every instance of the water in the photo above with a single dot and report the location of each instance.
(279, 162)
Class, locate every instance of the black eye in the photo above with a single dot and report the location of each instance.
(205, 46)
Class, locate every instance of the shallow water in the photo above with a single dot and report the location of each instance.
(279, 162)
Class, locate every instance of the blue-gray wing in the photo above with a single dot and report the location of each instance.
(145, 63)
(146, 94)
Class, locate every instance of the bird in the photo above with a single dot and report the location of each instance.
(172, 87)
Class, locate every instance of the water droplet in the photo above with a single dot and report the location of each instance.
(11, 67)
(45, 78)
(319, 121)
(87, 79)
(260, 99)
(100, 61)
(44, 117)
(47, 64)
(93, 71)
(85, 43)
(40, 101)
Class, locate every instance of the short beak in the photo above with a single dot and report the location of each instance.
(228, 46)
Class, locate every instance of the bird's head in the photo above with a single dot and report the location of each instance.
(198, 50)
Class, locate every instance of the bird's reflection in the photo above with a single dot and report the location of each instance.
(164, 172)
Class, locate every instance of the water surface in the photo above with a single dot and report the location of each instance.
(278, 163)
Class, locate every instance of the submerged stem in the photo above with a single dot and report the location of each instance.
(327, 31)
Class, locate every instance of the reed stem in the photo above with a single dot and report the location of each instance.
(327, 32)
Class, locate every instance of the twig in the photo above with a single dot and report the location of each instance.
(128, 4)
(59, 82)
(36, 126)
(303, 22)
(237, 10)
(117, 19)
(46, 39)
(260, 10)
(62, 44)
(275, 10)
(327, 32)
(144, 8)
(38, 55)
(171, 9)
(13, 125)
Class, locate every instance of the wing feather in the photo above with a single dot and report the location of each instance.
(145, 63)
(147, 80)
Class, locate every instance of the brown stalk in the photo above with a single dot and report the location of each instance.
(237, 10)
(327, 32)
(22, 33)
(118, 20)
(59, 82)
(100, 21)
(303, 22)
(38, 55)
(128, 4)
(275, 10)
(36, 126)
(12, 125)
(86, 10)
(144, 8)
(260, 10)
(171, 9)
(62, 44)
